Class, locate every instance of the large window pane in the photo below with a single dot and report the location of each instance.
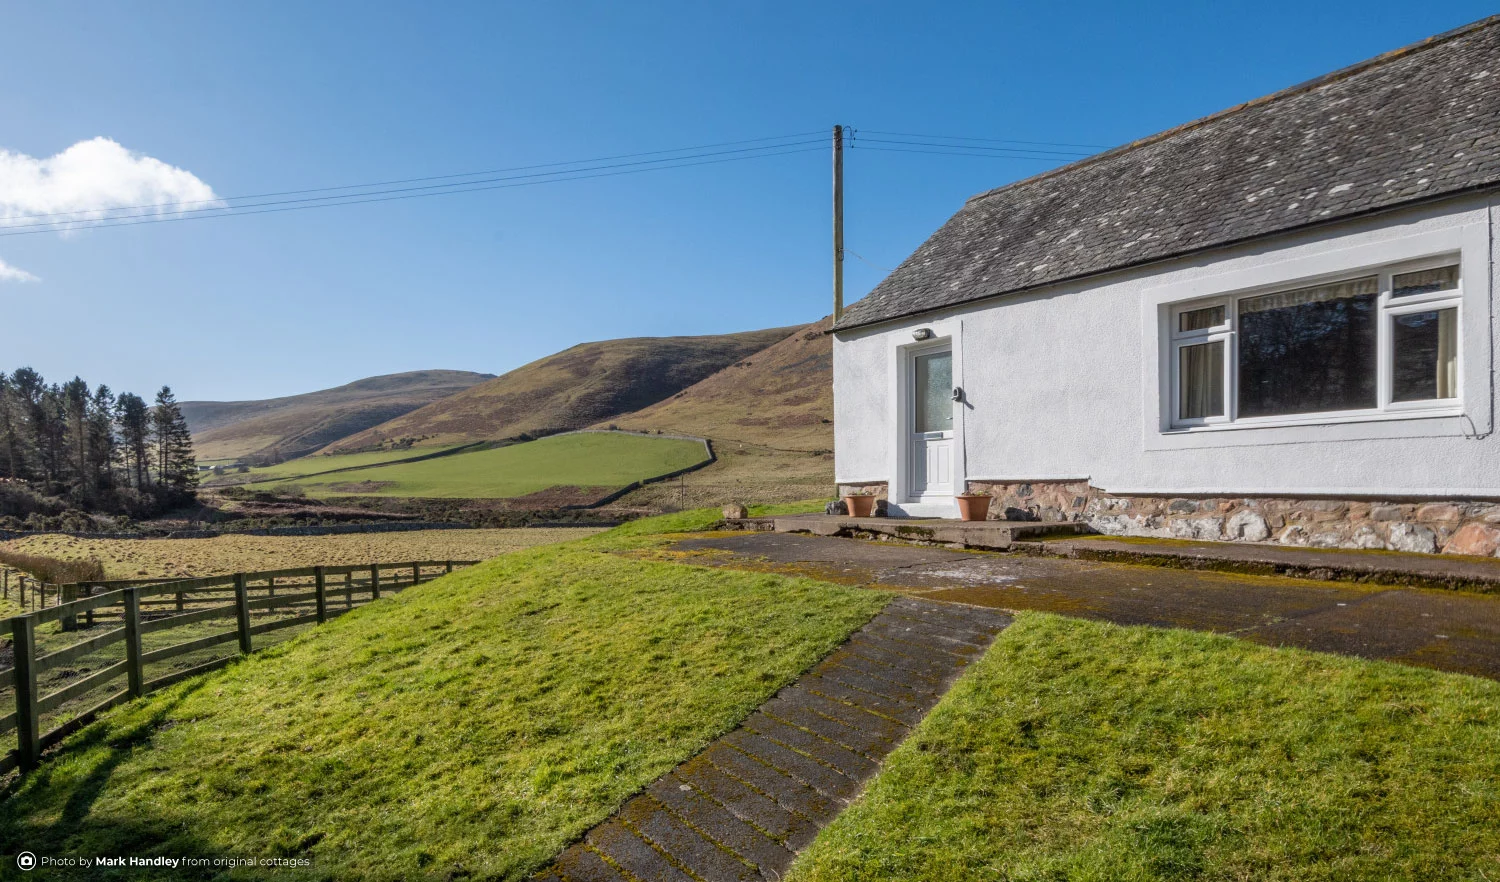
(934, 392)
(1308, 350)
(1201, 374)
(1424, 346)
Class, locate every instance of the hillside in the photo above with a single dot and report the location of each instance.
(780, 397)
(770, 417)
(575, 388)
(299, 424)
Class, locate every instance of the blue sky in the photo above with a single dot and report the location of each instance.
(264, 97)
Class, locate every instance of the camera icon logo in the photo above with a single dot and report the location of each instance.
(26, 860)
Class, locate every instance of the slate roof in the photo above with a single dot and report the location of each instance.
(1408, 126)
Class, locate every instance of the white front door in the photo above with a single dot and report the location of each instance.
(930, 451)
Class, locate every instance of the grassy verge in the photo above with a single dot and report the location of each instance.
(1078, 750)
(580, 460)
(803, 506)
(743, 473)
(470, 727)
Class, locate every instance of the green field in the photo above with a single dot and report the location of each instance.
(316, 463)
(1087, 751)
(469, 728)
(594, 459)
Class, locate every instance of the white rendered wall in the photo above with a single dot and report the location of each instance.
(1063, 383)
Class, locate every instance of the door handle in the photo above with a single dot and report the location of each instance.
(958, 393)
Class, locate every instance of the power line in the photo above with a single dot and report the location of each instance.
(470, 182)
(866, 262)
(961, 153)
(998, 150)
(351, 200)
(989, 140)
(438, 177)
(424, 190)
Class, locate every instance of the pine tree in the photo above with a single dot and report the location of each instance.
(134, 418)
(101, 438)
(10, 442)
(75, 469)
(176, 468)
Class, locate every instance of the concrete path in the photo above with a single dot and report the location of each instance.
(742, 808)
(1444, 629)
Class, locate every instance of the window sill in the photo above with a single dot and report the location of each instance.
(1321, 419)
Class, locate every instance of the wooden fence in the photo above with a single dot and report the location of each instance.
(128, 623)
(15, 584)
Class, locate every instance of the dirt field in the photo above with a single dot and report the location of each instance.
(144, 558)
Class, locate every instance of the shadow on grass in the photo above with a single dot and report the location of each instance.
(76, 834)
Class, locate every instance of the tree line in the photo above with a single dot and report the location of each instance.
(90, 449)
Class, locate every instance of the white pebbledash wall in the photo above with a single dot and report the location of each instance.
(1063, 390)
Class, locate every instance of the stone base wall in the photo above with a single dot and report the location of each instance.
(1451, 527)
(877, 489)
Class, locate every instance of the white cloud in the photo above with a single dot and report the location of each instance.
(81, 185)
(10, 273)
(92, 181)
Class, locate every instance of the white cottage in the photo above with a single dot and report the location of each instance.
(1274, 323)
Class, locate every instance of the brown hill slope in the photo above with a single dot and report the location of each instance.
(575, 388)
(299, 424)
(770, 417)
(780, 397)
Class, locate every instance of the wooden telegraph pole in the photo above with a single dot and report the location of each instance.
(838, 222)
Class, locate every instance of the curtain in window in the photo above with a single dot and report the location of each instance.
(1447, 354)
(1201, 378)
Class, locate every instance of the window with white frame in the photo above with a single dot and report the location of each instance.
(1377, 341)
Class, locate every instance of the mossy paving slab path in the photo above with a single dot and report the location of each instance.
(743, 808)
(1435, 628)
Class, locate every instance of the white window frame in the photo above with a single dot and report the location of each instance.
(1388, 308)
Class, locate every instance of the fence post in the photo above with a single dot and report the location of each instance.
(69, 593)
(242, 612)
(448, 567)
(28, 721)
(321, 587)
(271, 586)
(374, 581)
(349, 590)
(416, 574)
(133, 667)
(88, 615)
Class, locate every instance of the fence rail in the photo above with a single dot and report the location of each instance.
(54, 674)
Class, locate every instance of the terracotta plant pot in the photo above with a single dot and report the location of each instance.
(860, 506)
(973, 506)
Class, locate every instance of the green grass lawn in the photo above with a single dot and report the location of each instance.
(469, 727)
(308, 465)
(1085, 751)
(579, 460)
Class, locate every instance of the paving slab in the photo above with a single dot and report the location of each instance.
(744, 807)
(1446, 629)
